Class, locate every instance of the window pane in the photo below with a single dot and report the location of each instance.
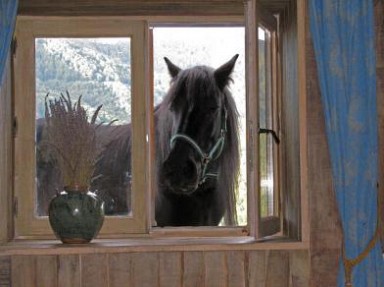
(266, 116)
(98, 70)
(208, 46)
(267, 202)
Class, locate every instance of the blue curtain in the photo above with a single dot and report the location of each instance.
(344, 43)
(8, 11)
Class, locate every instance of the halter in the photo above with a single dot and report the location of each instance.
(212, 155)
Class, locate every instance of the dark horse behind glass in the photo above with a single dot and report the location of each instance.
(197, 152)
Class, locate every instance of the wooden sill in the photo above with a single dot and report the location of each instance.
(55, 247)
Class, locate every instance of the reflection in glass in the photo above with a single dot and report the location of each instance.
(266, 152)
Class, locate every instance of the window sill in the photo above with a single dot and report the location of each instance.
(55, 247)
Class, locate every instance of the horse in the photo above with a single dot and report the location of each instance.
(197, 153)
(197, 148)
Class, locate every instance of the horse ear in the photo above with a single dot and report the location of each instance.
(172, 68)
(222, 74)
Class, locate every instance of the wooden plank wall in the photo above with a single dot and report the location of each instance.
(324, 223)
(5, 153)
(142, 7)
(5, 271)
(290, 117)
(156, 269)
(131, 7)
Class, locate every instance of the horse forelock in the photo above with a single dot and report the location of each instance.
(188, 89)
(192, 86)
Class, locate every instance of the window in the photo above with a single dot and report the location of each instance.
(269, 128)
(55, 56)
(132, 53)
(98, 70)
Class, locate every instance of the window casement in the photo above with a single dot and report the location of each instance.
(30, 34)
(269, 127)
(263, 127)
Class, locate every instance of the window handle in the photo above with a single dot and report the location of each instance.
(272, 132)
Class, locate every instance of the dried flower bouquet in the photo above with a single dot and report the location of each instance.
(72, 140)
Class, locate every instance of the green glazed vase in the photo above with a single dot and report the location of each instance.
(76, 216)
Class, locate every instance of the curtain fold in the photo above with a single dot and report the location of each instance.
(344, 41)
(8, 11)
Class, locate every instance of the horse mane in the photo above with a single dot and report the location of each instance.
(230, 161)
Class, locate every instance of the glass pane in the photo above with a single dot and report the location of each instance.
(267, 202)
(209, 46)
(263, 99)
(88, 73)
(266, 122)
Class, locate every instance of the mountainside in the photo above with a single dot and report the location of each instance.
(99, 71)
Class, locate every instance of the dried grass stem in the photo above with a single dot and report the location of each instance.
(71, 139)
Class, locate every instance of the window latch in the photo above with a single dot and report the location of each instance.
(272, 132)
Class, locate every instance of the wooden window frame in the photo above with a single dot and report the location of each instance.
(27, 30)
(270, 225)
(256, 226)
(200, 231)
(267, 225)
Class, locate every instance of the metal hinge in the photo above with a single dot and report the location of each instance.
(15, 206)
(14, 46)
(14, 127)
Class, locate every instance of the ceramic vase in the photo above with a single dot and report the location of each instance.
(76, 216)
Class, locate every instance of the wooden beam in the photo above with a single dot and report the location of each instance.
(134, 8)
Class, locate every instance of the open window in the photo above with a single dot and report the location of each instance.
(269, 127)
(211, 45)
(119, 63)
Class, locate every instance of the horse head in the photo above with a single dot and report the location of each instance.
(197, 110)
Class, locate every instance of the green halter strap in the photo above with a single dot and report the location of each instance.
(213, 154)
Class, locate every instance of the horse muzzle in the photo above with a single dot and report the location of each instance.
(180, 175)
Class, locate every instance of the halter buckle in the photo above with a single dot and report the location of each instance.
(205, 159)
